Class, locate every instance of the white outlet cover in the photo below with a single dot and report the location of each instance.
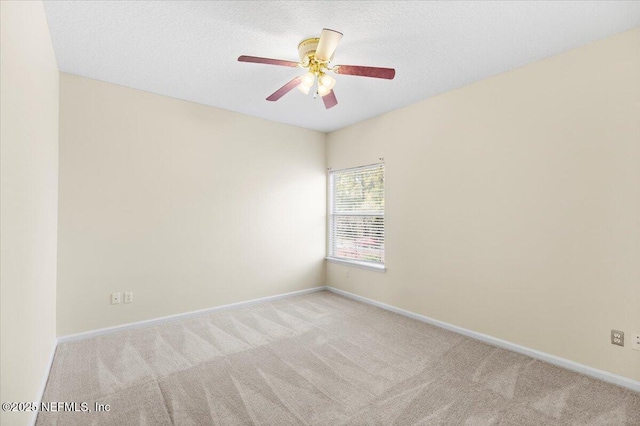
(635, 342)
(115, 298)
(128, 297)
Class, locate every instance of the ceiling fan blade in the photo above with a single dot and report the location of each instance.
(285, 89)
(330, 100)
(329, 40)
(374, 72)
(267, 61)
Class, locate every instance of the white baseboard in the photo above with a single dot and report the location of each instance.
(542, 356)
(169, 318)
(43, 385)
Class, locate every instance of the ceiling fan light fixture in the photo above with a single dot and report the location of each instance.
(304, 89)
(307, 82)
(308, 79)
(323, 90)
(316, 55)
(326, 81)
(325, 84)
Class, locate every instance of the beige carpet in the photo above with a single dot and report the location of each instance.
(319, 359)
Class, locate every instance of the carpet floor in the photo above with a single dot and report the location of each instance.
(318, 359)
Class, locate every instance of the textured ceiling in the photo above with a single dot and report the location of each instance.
(189, 49)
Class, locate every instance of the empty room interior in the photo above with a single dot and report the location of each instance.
(320, 213)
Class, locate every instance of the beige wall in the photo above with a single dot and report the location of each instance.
(513, 204)
(29, 176)
(186, 205)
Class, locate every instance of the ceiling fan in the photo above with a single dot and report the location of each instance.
(316, 55)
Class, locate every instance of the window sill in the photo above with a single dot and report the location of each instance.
(358, 264)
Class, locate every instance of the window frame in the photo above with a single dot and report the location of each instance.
(364, 264)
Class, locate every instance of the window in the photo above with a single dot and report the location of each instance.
(356, 216)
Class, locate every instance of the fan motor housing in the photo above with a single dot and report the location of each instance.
(307, 49)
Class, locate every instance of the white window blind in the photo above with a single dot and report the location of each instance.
(356, 214)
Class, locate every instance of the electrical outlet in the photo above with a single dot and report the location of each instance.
(635, 342)
(115, 298)
(128, 297)
(617, 337)
(346, 272)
